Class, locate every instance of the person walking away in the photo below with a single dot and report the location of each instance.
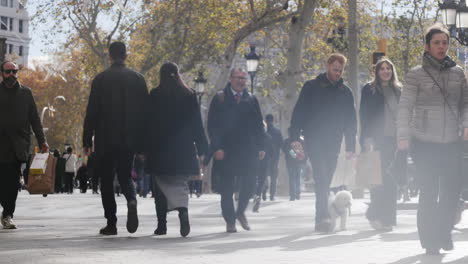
(70, 169)
(82, 176)
(277, 142)
(18, 115)
(115, 117)
(433, 107)
(177, 140)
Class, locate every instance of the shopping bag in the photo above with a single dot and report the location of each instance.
(345, 172)
(368, 169)
(39, 163)
(43, 183)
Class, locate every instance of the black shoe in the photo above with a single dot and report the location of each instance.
(322, 227)
(256, 204)
(184, 223)
(161, 230)
(132, 217)
(272, 198)
(292, 199)
(432, 251)
(108, 230)
(448, 246)
(243, 221)
(264, 197)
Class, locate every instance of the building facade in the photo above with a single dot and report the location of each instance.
(14, 26)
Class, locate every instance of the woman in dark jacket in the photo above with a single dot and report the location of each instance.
(378, 112)
(177, 140)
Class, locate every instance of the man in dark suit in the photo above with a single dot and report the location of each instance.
(236, 131)
(323, 114)
(18, 114)
(115, 116)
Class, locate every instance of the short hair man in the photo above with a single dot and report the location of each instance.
(323, 114)
(18, 114)
(235, 127)
(115, 117)
(433, 106)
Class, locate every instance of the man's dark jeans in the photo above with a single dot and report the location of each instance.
(273, 171)
(115, 162)
(9, 188)
(438, 167)
(324, 165)
(237, 176)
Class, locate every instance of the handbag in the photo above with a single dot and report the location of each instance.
(368, 169)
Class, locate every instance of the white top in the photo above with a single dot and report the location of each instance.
(70, 166)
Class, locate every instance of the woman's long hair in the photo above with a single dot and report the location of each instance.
(376, 83)
(170, 81)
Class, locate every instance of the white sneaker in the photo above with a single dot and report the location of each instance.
(7, 222)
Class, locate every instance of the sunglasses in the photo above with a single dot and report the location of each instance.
(14, 71)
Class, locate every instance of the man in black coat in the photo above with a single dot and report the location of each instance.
(324, 112)
(115, 116)
(236, 132)
(18, 114)
(277, 143)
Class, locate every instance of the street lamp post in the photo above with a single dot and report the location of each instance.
(455, 17)
(51, 110)
(252, 64)
(200, 82)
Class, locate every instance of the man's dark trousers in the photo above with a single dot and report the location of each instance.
(438, 167)
(238, 171)
(115, 161)
(9, 188)
(323, 165)
(273, 171)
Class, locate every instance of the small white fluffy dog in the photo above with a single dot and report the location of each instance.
(339, 206)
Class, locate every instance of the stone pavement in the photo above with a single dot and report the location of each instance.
(63, 229)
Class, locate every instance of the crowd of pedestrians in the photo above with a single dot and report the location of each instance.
(157, 139)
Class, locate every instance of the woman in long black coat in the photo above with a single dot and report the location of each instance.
(177, 141)
(378, 111)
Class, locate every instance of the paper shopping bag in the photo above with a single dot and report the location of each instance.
(368, 169)
(43, 183)
(39, 163)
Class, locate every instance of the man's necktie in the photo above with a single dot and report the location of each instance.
(237, 97)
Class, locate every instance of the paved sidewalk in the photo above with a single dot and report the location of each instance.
(63, 229)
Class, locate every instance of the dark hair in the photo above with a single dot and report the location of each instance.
(437, 28)
(69, 150)
(117, 50)
(5, 62)
(269, 118)
(170, 81)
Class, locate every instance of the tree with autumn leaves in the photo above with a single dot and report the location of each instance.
(206, 34)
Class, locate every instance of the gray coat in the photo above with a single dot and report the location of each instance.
(423, 112)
